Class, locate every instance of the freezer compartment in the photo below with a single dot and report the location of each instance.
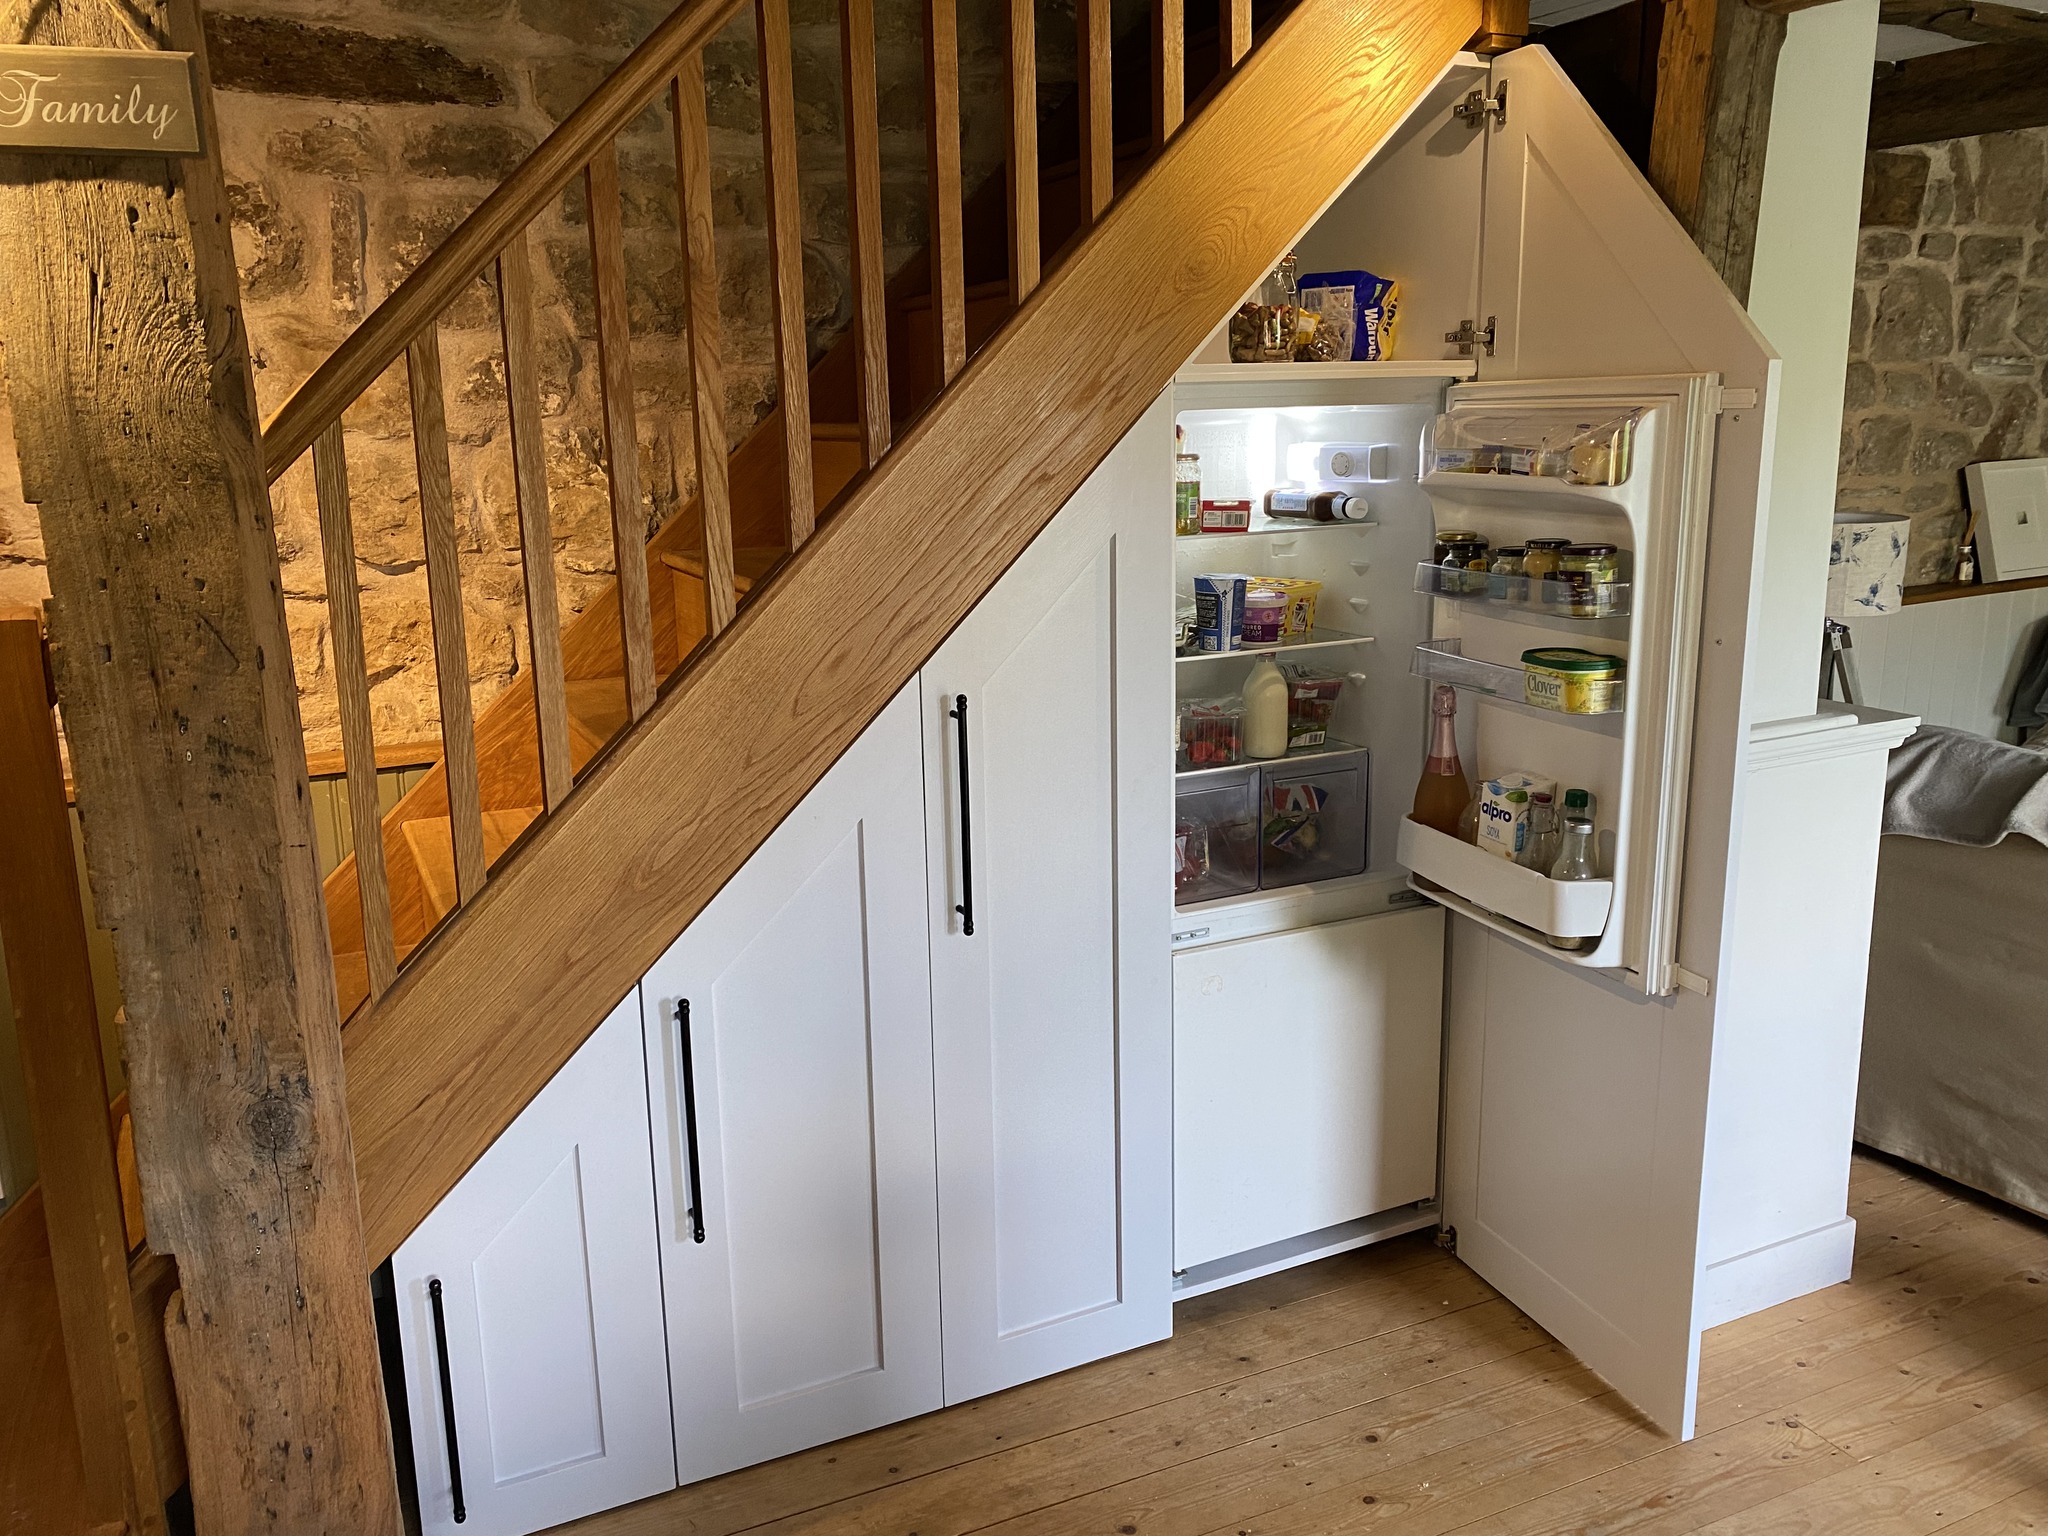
(1313, 819)
(1216, 834)
(1560, 908)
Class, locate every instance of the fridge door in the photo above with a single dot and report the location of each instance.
(1634, 757)
(1576, 1110)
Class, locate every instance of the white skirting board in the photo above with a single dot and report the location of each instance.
(1763, 1277)
(1236, 1268)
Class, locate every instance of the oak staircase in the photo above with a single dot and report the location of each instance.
(575, 826)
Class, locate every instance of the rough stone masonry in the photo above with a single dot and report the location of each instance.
(1948, 342)
(358, 133)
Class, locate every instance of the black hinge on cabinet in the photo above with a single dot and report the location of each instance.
(1476, 108)
(1468, 336)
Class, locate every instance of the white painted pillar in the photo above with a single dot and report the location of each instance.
(1799, 295)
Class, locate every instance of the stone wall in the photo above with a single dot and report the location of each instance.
(357, 133)
(1948, 346)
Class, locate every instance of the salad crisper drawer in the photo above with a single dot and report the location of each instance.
(1216, 834)
(1313, 819)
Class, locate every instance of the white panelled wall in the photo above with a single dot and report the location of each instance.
(1950, 663)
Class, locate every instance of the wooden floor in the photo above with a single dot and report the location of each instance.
(1394, 1391)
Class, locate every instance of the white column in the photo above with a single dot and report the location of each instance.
(1799, 296)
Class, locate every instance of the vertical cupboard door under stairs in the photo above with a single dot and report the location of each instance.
(842, 1139)
(789, 1045)
(1053, 1017)
(537, 1379)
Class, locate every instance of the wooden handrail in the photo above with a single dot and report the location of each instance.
(438, 281)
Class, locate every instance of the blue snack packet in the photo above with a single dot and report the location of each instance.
(1360, 305)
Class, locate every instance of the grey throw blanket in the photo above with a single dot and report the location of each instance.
(1958, 787)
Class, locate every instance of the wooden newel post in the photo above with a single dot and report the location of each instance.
(136, 422)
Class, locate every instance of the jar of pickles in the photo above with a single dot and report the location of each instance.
(1588, 575)
(1463, 556)
(1542, 560)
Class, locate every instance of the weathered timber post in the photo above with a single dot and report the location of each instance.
(135, 417)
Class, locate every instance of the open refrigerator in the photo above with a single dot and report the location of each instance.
(1392, 618)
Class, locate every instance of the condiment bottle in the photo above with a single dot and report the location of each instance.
(1265, 711)
(1575, 863)
(1317, 506)
(1444, 793)
(1545, 840)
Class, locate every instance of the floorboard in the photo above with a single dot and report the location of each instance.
(1392, 1391)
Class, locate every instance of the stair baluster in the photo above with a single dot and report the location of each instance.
(864, 225)
(1240, 31)
(536, 532)
(1169, 70)
(352, 697)
(444, 605)
(707, 373)
(786, 262)
(942, 128)
(1023, 161)
(1098, 131)
(621, 425)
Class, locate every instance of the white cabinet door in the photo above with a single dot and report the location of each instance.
(1576, 1135)
(534, 1292)
(1305, 1072)
(1052, 1025)
(789, 1043)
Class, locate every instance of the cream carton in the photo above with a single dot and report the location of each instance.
(1504, 800)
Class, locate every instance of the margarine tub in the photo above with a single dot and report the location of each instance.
(1573, 681)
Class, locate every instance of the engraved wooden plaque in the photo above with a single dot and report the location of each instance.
(123, 100)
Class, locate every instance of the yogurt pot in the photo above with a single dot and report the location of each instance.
(1265, 616)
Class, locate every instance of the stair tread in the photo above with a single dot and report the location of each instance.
(430, 841)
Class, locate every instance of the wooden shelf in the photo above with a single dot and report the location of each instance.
(1943, 591)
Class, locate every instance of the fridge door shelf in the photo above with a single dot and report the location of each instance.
(1278, 527)
(1527, 493)
(1566, 908)
(1549, 602)
(1442, 661)
(1318, 639)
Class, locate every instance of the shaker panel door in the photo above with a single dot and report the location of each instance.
(549, 1311)
(1052, 1022)
(788, 1038)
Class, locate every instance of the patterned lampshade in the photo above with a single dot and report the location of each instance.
(1867, 569)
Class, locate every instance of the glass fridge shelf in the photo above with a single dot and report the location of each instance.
(1443, 661)
(1318, 639)
(1545, 602)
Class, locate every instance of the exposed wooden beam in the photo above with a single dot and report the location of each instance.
(1787, 7)
(1960, 93)
(1717, 66)
(135, 419)
(1969, 21)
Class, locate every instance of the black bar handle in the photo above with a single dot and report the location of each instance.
(696, 1207)
(447, 1399)
(966, 908)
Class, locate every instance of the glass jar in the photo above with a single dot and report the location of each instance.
(1588, 576)
(1464, 565)
(1541, 562)
(1187, 493)
(1451, 536)
(1505, 582)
